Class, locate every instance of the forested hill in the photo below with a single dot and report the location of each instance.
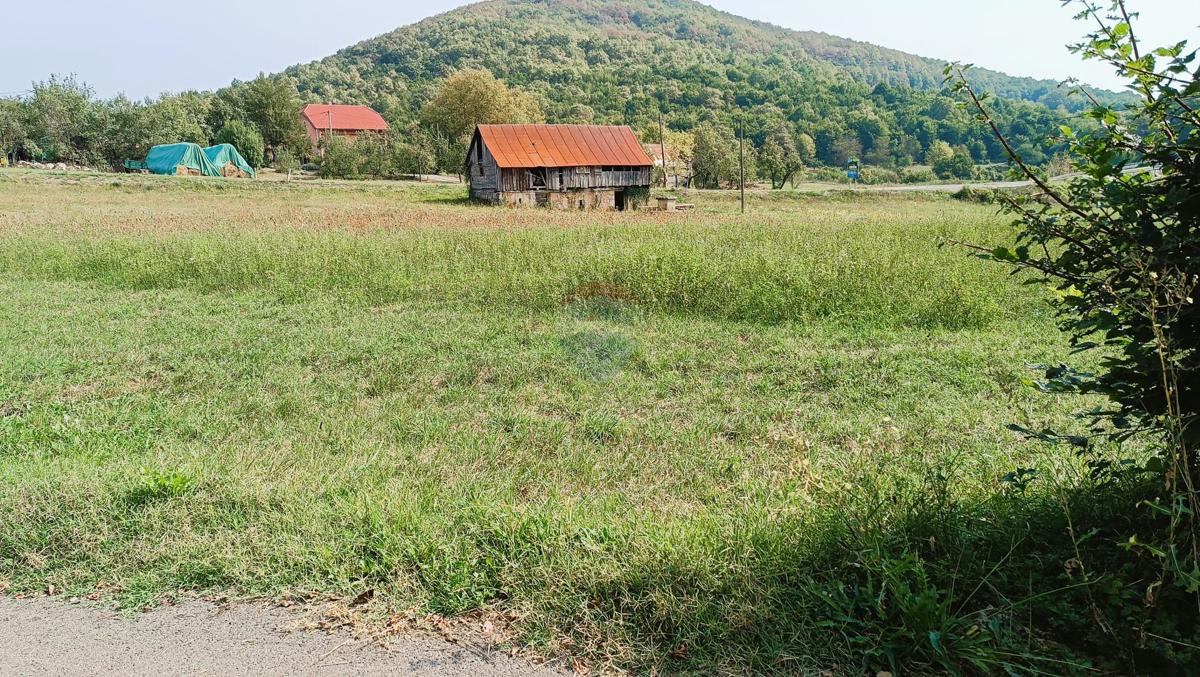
(553, 41)
(621, 61)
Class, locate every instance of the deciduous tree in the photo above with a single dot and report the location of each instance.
(273, 105)
(12, 128)
(475, 97)
(714, 157)
(779, 157)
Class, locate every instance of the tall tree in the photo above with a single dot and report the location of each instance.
(64, 121)
(475, 97)
(714, 157)
(273, 105)
(939, 151)
(12, 128)
(779, 157)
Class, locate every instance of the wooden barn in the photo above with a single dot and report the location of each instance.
(560, 166)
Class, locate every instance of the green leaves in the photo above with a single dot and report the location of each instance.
(1125, 253)
(1019, 255)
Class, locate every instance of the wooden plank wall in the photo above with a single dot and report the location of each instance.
(485, 174)
(569, 178)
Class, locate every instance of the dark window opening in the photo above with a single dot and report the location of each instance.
(537, 178)
(479, 151)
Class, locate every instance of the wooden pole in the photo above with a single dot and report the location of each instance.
(662, 145)
(742, 164)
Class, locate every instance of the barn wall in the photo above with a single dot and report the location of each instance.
(570, 178)
(485, 174)
(584, 199)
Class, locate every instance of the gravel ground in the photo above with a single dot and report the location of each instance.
(50, 637)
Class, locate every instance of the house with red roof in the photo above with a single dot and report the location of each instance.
(349, 122)
(581, 167)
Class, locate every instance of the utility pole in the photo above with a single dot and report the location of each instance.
(742, 163)
(662, 145)
(329, 129)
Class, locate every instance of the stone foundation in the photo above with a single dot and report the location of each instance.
(591, 199)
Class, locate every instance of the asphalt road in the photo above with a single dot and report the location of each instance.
(51, 637)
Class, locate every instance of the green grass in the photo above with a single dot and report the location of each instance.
(777, 449)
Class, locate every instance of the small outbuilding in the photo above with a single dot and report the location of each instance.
(582, 167)
(180, 159)
(229, 161)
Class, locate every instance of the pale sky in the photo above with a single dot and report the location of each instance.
(146, 47)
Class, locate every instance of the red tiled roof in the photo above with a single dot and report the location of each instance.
(357, 118)
(532, 146)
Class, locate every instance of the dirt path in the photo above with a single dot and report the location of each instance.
(46, 637)
(946, 187)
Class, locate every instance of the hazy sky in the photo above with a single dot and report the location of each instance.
(145, 47)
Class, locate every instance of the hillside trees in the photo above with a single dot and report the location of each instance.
(591, 61)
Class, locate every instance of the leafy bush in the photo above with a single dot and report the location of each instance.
(957, 166)
(917, 174)
(246, 138)
(872, 176)
(979, 195)
(341, 159)
(1121, 250)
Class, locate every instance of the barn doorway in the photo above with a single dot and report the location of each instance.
(620, 200)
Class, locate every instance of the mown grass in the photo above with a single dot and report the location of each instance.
(775, 447)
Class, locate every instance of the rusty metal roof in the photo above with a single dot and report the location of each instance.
(355, 118)
(533, 146)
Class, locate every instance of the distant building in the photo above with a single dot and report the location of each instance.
(561, 166)
(348, 122)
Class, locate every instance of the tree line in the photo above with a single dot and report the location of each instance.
(62, 120)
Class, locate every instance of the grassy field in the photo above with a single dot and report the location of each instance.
(700, 442)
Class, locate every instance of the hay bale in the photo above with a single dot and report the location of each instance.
(232, 171)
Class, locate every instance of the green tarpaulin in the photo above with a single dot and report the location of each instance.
(167, 158)
(223, 154)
